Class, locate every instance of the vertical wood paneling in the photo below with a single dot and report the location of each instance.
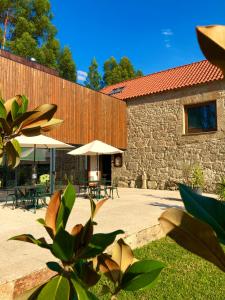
(87, 114)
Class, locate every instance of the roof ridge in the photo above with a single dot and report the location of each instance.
(158, 72)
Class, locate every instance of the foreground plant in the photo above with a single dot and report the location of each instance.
(202, 232)
(81, 254)
(15, 120)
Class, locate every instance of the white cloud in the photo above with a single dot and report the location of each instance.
(167, 32)
(81, 75)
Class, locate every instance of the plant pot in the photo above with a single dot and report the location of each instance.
(197, 190)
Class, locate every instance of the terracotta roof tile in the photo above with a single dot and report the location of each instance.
(175, 78)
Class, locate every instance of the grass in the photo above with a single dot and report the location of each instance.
(186, 276)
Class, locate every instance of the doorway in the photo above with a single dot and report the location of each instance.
(105, 167)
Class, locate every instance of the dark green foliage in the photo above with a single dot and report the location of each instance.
(117, 72)
(94, 79)
(66, 65)
(221, 189)
(29, 32)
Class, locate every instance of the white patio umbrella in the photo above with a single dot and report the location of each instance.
(40, 141)
(95, 148)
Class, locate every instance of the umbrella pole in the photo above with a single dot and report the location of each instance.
(34, 171)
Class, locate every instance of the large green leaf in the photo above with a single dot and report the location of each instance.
(3, 112)
(99, 242)
(142, 274)
(57, 288)
(67, 202)
(5, 126)
(194, 235)
(207, 209)
(63, 245)
(30, 239)
(14, 110)
(82, 293)
(16, 145)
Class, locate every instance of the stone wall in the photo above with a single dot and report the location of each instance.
(158, 145)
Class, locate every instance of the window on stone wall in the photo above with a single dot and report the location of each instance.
(200, 117)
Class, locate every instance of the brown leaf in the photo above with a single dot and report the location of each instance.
(44, 113)
(194, 235)
(52, 211)
(122, 255)
(31, 131)
(212, 42)
(8, 103)
(76, 229)
(108, 267)
(97, 206)
(13, 158)
(88, 275)
(52, 124)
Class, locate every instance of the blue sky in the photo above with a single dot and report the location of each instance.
(155, 35)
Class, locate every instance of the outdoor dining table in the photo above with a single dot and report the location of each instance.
(26, 194)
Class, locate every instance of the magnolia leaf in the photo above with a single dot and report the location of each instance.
(24, 105)
(206, 209)
(14, 110)
(16, 145)
(31, 131)
(48, 229)
(54, 266)
(108, 267)
(13, 157)
(22, 117)
(193, 235)
(81, 292)
(95, 207)
(88, 275)
(141, 274)
(76, 229)
(5, 126)
(122, 255)
(212, 43)
(63, 245)
(52, 124)
(8, 103)
(44, 113)
(3, 112)
(52, 211)
(66, 205)
(56, 289)
(99, 242)
(30, 239)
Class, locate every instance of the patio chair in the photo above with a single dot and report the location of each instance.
(40, 193)
(25, 198)
(114, 187)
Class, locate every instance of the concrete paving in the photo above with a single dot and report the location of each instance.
(135, 210)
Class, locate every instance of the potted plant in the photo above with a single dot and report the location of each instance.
(221, 189)
(197, 179)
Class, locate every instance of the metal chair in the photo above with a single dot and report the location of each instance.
(114, 187)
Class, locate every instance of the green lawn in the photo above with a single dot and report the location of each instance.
(185, 277)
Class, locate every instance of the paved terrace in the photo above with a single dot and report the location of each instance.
(135, 210)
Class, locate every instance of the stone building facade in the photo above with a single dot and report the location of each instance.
(159, 146)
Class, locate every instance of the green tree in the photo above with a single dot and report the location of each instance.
(116, 72)
(67, 67)
(26, 29)
(94, 79)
